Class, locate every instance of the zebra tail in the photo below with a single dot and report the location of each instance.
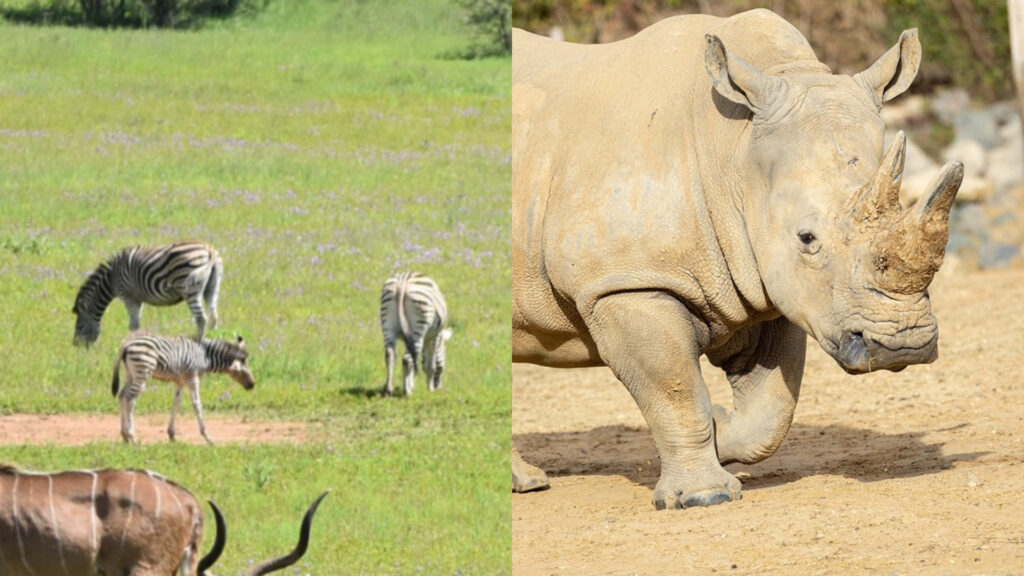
(116, 384)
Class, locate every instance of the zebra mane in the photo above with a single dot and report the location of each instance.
(97, 279)
(228, 348)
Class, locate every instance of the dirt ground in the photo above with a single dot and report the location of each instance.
(912, 473)
(77, 429)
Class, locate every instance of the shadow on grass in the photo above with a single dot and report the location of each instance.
(861, 454)
(364, 392)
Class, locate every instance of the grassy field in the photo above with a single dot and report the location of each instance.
(321, 147)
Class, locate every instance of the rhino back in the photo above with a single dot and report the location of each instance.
(621, 153)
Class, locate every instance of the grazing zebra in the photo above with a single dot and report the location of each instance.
(180, 360)
(157, 275)
(413, 308)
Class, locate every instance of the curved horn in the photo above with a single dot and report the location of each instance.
(300, 548)
(881, 195)
(910, 252)
(218, 544)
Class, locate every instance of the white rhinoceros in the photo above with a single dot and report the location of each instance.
(709, 187)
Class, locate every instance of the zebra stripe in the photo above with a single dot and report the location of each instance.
(157, 275)
(413, 308)
(174, 359)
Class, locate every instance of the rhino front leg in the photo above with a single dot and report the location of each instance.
(526, 477)
(765, 380)
(649, 341)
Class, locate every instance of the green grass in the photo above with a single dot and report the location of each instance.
(321, 147)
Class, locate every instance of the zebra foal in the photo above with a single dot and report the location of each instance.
(123, 522)
(412, 308)
(181, 360)
(157, 275)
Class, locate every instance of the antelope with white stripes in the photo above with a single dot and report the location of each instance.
(174, 359)
(412, 308)
(110, 522)
(157, 275)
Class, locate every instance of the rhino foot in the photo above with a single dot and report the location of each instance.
(667, 495)
(527, 477)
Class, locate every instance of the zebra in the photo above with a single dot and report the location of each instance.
(181, 360)
(157, 275)
(413, 308)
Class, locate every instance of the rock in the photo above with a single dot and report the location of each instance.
(971, 153)
(905, 111)
(974, 189)
(998, 255)
(947, 104)
(978, 125)
(1010, 130)
(1004, 164)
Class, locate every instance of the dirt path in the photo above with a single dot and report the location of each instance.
(77, 429)
(909, 473)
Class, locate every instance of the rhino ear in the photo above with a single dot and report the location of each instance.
(892, 74)
(737, 81)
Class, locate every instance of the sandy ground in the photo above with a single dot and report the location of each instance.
(77, 429)
(912, 473)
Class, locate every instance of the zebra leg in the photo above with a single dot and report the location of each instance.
(428, 364)
(134, 313)
(195, 304)
(408, 371)
(197, 404)
(389, 361)
(171, 431)
(127, 400)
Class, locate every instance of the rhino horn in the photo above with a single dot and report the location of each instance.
(907, 255)
(880, 197)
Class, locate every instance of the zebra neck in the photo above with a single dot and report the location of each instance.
(100, 286)
(218, 355)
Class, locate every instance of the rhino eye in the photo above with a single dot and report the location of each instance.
(807, 238)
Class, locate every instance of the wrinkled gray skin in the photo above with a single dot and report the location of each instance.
(709, 187)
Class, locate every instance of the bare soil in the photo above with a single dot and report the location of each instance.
(918, 472)
(78, 429)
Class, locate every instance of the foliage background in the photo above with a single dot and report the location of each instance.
(965, 42)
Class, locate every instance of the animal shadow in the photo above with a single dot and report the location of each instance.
(363, 391)
(862, 454)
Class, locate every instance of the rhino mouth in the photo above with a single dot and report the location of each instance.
(859, 352)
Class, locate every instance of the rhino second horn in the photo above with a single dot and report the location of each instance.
(880, 197)
(909, 253)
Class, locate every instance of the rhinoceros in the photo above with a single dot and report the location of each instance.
(709, 187)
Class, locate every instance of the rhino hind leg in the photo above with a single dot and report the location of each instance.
(765, 378)
(526, 477)
(649, 341)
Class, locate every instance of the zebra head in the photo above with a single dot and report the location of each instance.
(238, 370)
(92, 300)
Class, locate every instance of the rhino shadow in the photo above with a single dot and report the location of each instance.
(861, 454)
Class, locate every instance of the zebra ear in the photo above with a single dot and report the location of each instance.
(241, 342)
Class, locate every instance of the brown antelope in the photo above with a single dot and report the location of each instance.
(110, 522)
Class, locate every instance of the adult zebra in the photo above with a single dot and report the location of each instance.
(413, 308)
(157, 275)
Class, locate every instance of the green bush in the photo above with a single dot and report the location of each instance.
(125, 13)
